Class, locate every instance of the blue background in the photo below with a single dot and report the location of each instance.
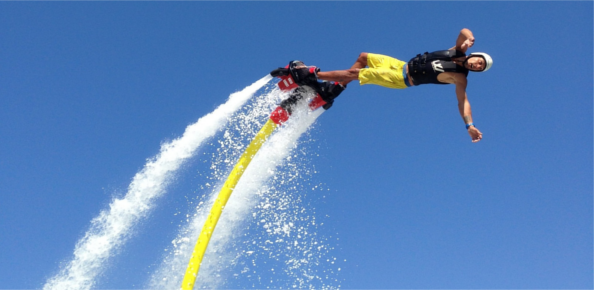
(90, 90)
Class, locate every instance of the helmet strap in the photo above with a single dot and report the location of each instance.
(465, 62)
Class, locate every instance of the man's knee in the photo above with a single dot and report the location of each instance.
(363, 58)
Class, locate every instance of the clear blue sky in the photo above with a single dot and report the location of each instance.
(89, 91)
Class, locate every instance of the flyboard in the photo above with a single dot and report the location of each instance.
(301, 81)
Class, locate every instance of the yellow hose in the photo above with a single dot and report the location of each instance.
(222, 198)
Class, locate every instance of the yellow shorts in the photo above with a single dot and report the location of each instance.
(383, 71)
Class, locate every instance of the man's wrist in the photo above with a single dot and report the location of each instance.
(469, 125)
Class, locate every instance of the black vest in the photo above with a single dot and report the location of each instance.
(425, 68)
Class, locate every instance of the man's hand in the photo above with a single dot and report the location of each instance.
(468, 43)
(475, 134)
(465, 40)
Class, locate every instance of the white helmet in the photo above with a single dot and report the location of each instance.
(486, 57)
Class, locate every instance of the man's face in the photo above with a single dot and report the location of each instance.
(476, 63)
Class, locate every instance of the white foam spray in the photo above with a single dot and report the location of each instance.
(114, 225)
(261, 200)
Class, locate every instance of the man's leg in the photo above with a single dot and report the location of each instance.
(346, 76)
(361, 62)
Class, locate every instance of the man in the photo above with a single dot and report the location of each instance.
(439, 67)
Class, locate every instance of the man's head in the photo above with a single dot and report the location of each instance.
(478, 62)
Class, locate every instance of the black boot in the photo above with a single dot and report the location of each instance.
(301, 74)
(329, 91)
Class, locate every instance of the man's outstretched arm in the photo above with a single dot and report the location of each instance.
(465, 109)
